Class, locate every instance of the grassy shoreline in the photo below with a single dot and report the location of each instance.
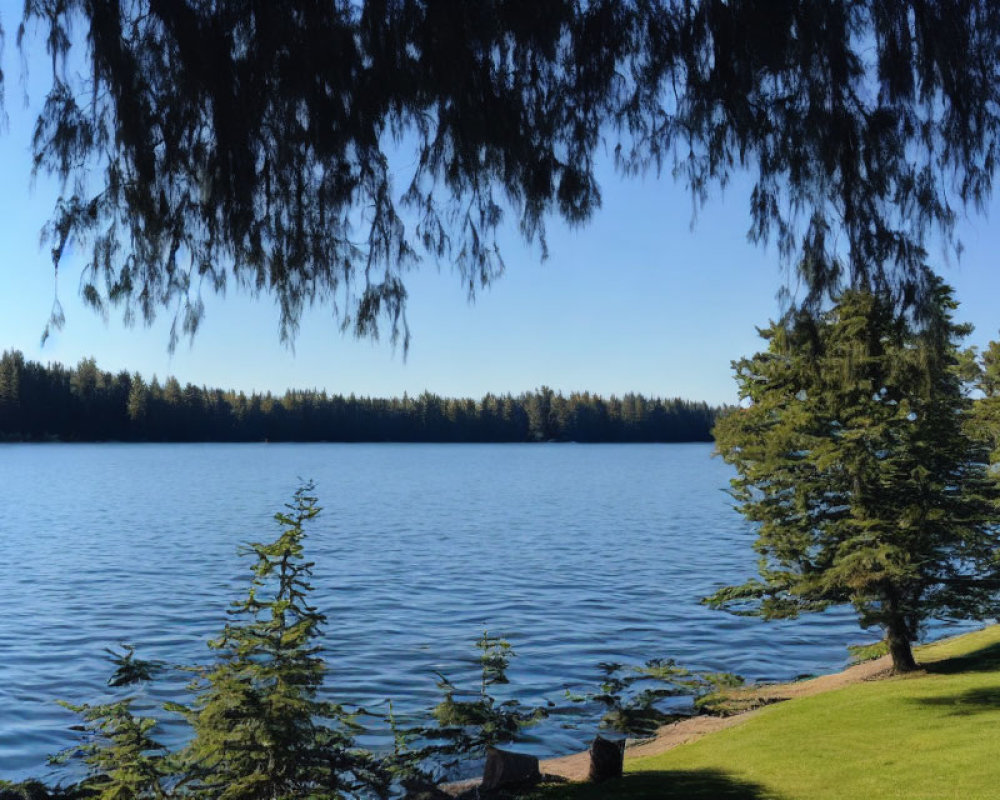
(931, 735)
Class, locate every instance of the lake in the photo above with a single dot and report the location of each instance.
(578, 554)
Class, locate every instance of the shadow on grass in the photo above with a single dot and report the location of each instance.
(973, 701)
(703, 784)
(985, 660)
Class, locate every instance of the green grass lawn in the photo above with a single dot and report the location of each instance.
(929, 736)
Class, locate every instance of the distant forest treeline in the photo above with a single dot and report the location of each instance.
(85, 404)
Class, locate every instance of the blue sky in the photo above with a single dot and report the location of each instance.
(637, 300)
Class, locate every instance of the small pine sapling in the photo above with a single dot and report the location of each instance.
(471, 721)
(260, 730)
(123, 760)
(633, 696)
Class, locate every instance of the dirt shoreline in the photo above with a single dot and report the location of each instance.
(574, 767)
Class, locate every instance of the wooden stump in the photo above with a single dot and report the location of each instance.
(607, 758)
(504, 768)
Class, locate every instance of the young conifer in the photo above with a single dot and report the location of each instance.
(123, 760)
(472, 721)
(260, 730)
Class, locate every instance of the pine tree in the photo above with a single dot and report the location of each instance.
(466, 722)
(986, 415)
(137, 406)
(854, 458)
(260, 730)
(123, 760)
(480, 719)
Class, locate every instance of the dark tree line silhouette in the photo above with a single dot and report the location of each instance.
(84, 403)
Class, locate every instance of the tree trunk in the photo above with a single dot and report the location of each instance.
(899, 649)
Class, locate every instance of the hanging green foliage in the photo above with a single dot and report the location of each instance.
(315, 152)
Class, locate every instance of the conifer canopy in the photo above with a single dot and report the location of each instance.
(855, 458)
(316, 151)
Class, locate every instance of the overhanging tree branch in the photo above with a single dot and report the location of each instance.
(253, 138)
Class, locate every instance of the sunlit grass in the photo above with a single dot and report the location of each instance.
(932, 736)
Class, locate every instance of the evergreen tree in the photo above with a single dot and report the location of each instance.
(216, 141)
(11, 367)
(137, 406)
(986, 417)
(84, 404)
(260, 731)
(467, 722)
(123, 760)
(854, 459)
(474, 721)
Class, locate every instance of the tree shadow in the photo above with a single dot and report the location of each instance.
(986, 659)
(973, 701)
(700, 784)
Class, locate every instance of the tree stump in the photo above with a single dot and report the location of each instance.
(607, 758)
(504, 768)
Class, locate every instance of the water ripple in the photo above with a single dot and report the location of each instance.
(577, 554)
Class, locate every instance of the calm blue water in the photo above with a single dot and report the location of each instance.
(578, 554)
